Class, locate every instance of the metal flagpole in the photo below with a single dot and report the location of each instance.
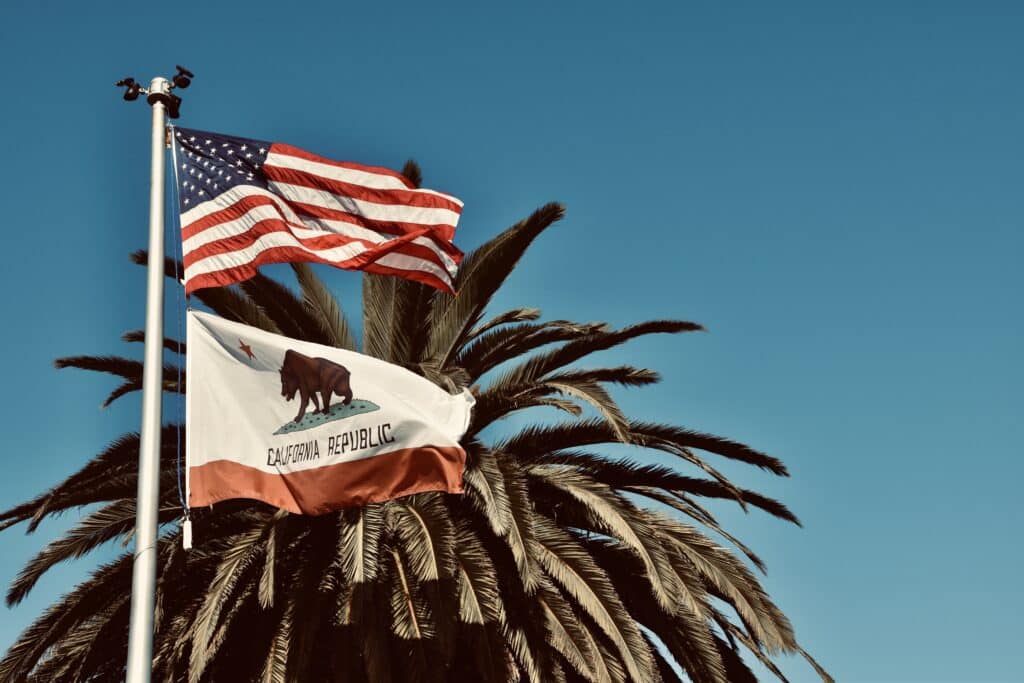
(140, 629)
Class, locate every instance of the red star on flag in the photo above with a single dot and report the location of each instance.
(246, 349)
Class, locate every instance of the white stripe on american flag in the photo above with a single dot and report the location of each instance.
(302, 228)
(397, 259)
(245, 256)
(239, 226)
(343, 174)
(399, 213)
(226, 199)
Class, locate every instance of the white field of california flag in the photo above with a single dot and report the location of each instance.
(311, 428)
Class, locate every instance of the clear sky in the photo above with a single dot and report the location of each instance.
(832, 189)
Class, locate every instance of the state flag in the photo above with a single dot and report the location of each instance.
(311, 428)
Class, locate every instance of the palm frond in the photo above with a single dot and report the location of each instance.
(304, 597)
(265, 593)
(540, 365)
(594, 394)
(395, 318)
(624, 473)
(358, 553)
(480, 355)
(106, 477)
(379, 316)
(275, 669)
(476, 578)
(409, 612)
(124, 389)
(173, 376)
(235, 560)
(754, 648)
(606, 666)
(516, 315)
(116, 520)
(520, 533)
(99, 647)
(284, 308)
(411, 171)
(731, 581)
(425, 535)
(684, 632)
(818, 668)
(522, 651)
(675, 440)
(574, 570)
(736, 670)
(324, 308)
(480, 275)
(113, 365)
(232, 304)
(89, 598)
(169, 343)
(501, 400)
(485, 489)
(173, 268)
(624, 375)
(665, 671)
(610, 514)
(565, 633)
(685, 505)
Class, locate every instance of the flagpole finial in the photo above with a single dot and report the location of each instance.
(160, 90)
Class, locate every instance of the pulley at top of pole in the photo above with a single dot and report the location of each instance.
(159, 90)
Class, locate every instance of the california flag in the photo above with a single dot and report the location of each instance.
(311, 428)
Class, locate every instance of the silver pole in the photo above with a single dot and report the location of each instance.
(140, 629)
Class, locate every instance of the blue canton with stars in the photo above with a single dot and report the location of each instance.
(209, 164)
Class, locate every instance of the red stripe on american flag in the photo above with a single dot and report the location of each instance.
(323, 240)
(417, 275)
(232, 275)
(228, 213)
(281, 148)
(426, 200)
(248, 202)
(442, 234)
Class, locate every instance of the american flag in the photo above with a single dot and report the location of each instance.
(245, 203)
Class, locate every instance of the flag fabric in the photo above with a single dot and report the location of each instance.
(311, 428)
(245, 203)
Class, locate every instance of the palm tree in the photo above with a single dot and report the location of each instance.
(558, 563)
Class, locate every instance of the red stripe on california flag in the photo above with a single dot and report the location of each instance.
(425, 200)
(322, 241)
(281, 148)
(224, 277)
(322, 489)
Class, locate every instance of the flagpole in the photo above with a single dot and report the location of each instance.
(139, 665)
(140, 629)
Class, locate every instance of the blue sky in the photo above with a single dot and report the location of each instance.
(833, 190)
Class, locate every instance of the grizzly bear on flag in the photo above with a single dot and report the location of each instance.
(307, 376)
